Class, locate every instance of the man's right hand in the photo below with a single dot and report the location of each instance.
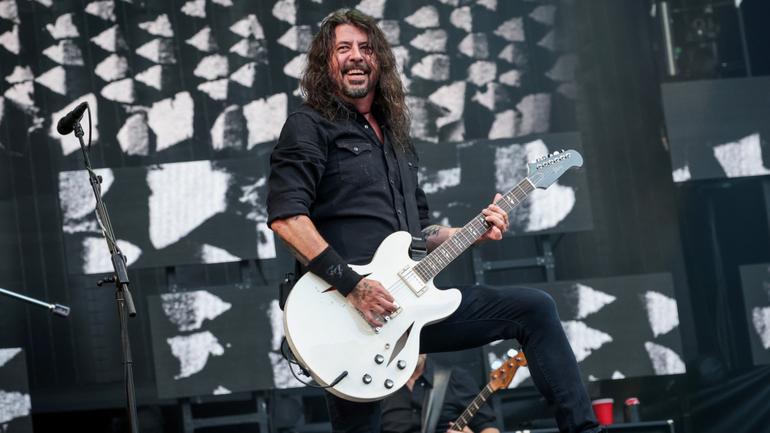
(372, 300)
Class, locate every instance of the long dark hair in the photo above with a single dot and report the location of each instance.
(319, 89)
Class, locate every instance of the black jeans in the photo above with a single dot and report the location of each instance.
(487, 314)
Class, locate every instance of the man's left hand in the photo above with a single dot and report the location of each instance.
(498, 220)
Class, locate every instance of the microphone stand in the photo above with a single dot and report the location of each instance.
(58, 309)
(119, 277)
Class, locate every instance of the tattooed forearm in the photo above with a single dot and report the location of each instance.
(431, 231)
(435, 235)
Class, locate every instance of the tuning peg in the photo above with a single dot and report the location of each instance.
(510, 354)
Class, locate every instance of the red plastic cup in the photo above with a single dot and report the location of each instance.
(603, 410)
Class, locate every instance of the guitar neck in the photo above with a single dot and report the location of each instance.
(472, 408)
(450, 249)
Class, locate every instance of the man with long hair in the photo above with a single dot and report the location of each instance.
(344, 176)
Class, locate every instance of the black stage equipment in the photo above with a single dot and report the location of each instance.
(68, 124)
(58, 309)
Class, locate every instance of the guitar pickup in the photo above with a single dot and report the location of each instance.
(413, 281)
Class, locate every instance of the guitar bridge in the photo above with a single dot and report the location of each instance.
(412, 280)
(385, 319)
(393, 315)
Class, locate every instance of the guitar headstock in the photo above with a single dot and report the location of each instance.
(545, 170)
(503, 375)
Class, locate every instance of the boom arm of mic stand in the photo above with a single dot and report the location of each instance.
(58, 309)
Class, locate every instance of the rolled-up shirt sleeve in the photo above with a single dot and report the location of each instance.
(296, 167)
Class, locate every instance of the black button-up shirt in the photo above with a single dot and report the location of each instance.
(402, 412)
(356, 189)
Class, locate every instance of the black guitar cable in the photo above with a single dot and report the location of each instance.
(291, 360)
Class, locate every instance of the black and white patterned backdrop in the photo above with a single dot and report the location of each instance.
(15, 400)
(188, 97)
(618, 327)
(718, 128)
(461, 178)
(216, 340)
(175, 85)
(755, 280)
(213, 211)
(209, 211)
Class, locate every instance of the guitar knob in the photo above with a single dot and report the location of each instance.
(388, 383)
(379, 359)
(401, 364)
(377, 329)
(367, 379)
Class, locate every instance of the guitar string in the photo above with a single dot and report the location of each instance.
(455, 248)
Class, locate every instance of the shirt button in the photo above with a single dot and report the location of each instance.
(355, 148)
(391, 182)
(366, 126)
(399, 211)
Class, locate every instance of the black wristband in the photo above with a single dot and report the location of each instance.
(330, 267)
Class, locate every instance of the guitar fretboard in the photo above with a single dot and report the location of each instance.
(450, 249)
(472, 408)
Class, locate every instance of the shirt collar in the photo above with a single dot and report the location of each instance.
(351, 112)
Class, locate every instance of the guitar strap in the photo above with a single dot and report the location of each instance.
(434, 400)
(405, 168)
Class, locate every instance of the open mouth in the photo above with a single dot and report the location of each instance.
(356, 75)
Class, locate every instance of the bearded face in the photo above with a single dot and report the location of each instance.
(353, 66)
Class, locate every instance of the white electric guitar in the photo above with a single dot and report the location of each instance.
(339, 348)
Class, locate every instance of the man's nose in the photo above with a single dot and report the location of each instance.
(355, 53)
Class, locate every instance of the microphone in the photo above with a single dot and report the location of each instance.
(67, 123)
